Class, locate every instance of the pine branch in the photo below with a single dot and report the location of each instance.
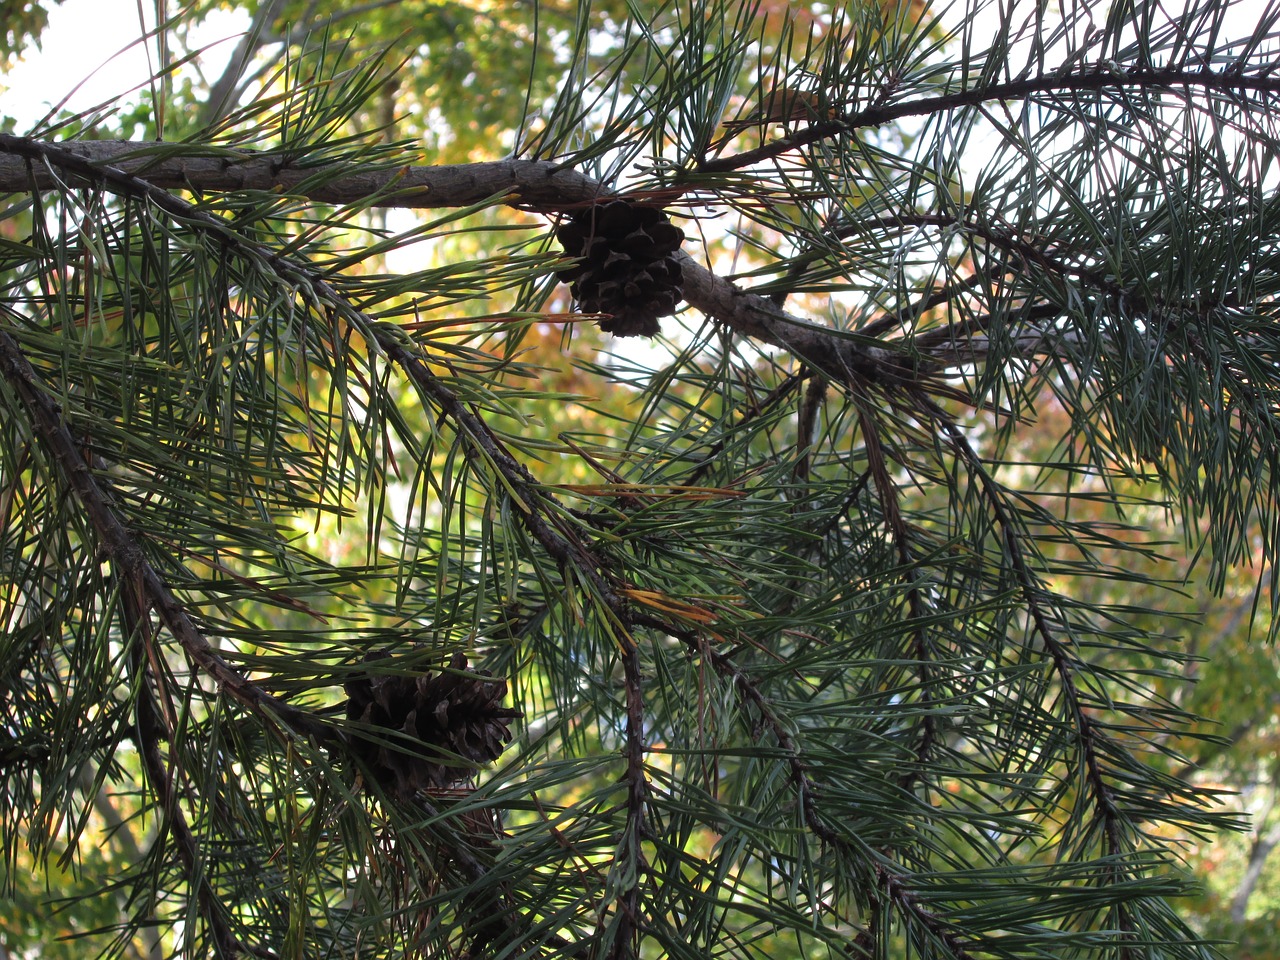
(536, 185)
(807, 420)
(570, 553)
(145, 171)
(1104, 76)
(748, 313)
(1088, 734)
(875, 761)
(560, 543)
(843, 359)
(887, 879)
(143, 589)
(127, 551)
(888, 492)
(324, 296)
(626, 935)
(166, 777)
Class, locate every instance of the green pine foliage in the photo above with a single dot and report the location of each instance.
(360, 598)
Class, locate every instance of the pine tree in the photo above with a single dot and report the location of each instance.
(643, 553)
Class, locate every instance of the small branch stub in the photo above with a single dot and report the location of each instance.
(626, 265)
(455, 715)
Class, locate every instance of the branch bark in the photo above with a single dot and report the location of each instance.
(154, 169)
(534, 184)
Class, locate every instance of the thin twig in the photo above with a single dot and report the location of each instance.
(898, 531)
(1101, 77)
(627, 932)
(128, 165)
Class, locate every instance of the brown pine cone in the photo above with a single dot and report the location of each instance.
(626, 266)
(454, 717)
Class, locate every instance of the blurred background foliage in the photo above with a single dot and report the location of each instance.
(403, 544)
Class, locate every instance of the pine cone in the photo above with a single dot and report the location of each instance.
(626, 266)
(456, 715)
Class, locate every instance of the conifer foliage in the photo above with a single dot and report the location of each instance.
(368, 590)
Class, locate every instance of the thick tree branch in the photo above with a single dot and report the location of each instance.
(152, 171)
(841, 358)
(534, 184)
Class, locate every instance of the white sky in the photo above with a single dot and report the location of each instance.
(103, 34)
